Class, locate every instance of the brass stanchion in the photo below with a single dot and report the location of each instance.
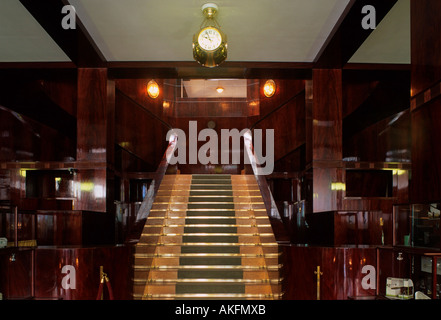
(104, 279)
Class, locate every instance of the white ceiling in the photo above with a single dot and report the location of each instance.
(258, 30)
(390, 41)
(22, 39)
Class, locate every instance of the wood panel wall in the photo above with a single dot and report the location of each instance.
(341, 272)
(426, 104)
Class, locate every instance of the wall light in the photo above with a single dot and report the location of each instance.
(269, 88)
(220, 89)
(338, 186)
(153, 89)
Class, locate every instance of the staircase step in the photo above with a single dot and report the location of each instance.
(198, 269)
(210, 229)
(203, 182)
(207, 225)
(211, 239)
(207, 199)
(184, 261)
(140, 282)
(209, 244)
(194, 213)
(210, 274)
(207, 234)
(208, 220)
(182, 288)
(210, 206)
(224, 296)
(196, 193)
(178, 255)
(210, 249)
(212, 176)
(210, 187)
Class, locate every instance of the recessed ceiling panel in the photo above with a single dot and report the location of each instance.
(257, 30)
(216, 88)
(390, 41)
(22, 39)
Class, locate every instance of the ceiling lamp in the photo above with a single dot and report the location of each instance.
(210, 43)
(153, 89)
(220, 89)
(269, 88)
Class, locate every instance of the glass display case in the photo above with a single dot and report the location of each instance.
(417, 225)
(409, 273)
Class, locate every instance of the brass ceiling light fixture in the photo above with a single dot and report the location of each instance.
(153, 89)
(269, 89)
(210, 43)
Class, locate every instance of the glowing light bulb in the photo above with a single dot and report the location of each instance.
(269, 88)
(153, 89)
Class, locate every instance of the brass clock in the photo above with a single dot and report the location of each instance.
(210, 43)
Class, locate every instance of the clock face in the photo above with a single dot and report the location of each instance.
(210, 39)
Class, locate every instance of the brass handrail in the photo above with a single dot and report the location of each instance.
(274, 216)
(147, 203)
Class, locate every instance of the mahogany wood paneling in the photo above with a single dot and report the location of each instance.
(27, 97)
(355, 93)
(309, 99)
(426, 118)
(95, 115)
(24, 139)
(95, 140)
(300, 262)
(388, 140)
(294, 161)
(285, 89)
(326, 142)
(288, 122)
(426, 154)
(327, 114)
(91, 190)
(49, 263)
(425, 44)
(16, 273)
(136, 89)
(341, 267)
(361, 228)
(138, 132)
(63, 92)
(325, 198)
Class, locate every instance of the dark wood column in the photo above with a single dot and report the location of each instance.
(426, 101)
(95, 139)
(325, 136)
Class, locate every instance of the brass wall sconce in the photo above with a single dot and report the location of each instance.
(153, 89)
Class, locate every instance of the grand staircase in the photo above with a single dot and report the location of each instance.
(207, 237)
